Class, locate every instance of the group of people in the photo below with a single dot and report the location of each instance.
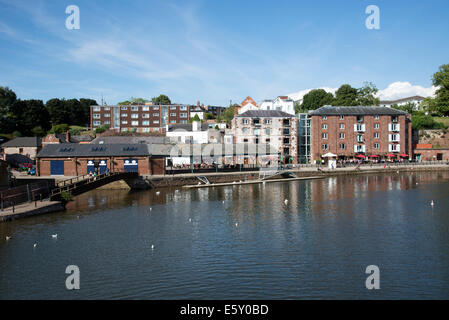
(96, 172)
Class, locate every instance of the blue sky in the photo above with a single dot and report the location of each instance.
(215, 50)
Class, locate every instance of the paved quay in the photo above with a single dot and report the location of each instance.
(30, 209)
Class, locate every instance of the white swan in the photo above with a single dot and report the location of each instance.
(152, 247)
(286, 201)
(54, 236)
(35, 245)
(7, 238)
(432, 203)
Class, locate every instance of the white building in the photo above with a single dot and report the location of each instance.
(281, 103)
(247, 105)
(400, 102)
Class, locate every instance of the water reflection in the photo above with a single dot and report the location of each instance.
(240, 241)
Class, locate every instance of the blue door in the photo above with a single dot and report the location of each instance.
(57, 167)
(90, 166)
(131, 165)
(103, 166)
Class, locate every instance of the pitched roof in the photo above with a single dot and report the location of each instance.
(129, 139)
(265, 114)
(89, 150)
(248, 100)
(362, 110)
(23, 142)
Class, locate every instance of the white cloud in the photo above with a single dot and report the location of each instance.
(398, 90)
(300, 94)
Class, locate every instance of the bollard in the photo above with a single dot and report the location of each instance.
(13, 207)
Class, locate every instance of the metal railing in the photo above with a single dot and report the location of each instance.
(22, 194)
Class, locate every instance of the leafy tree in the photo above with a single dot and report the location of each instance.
(366, 95)
(38, 131)
(441, 77)
(409, 107)
(208, 115)
(162, 99)
(7, 99)
(228, 114)
(316, 99)
(195, 118)
(84, 114)
(59, 128)
(420, 121)
(133, 101)
(102, 129)
(440, 105)
(16, 134)
(58, 111)
(35, 114)
(346, 96)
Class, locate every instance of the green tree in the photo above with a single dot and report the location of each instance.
(195, 118)
(316, 99)
(59, 128)
(420, 121)
(346, 96)
(409, 107)
(102, 129)
(441, 77)
(162, 99)
(35, 115)
(84, 114)
(38, 131)
(228, 114)
(7, 99)
(133, 100)
(366, 95)
(440, 105)
(58, 111)
(208, 115)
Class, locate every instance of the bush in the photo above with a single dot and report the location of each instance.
(59, 128)
(66, 196)
(38, 131)
(102, 129)
(420, 122)
(16, 134)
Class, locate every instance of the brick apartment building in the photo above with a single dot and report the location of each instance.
(139, 118)
(271, 127)
(350, 132)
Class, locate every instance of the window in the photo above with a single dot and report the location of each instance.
(267, 121)
(376, 146)
(245, 121)
(183, 115)
(342, 135)
(245, 140)
(394, 137)
(342, 126)
(183, 121)
(376, 135)
(394, 118)
(324, 146)
(342, 146)
(156, 108)
(107, 122)
(376, 126)
(173, 108)
(156, 121)
(324, 135)
(134, 108)
(286, 131)
(172, 114)
(267, 131)
(97, 123)
(324, 126)
(124, 129)
(393, 147)
(286, 122)
(155, 114)
(172, 121)
(359, 138)
(106, 108)
(286, 140)
(124, 122)
(145, 115)
(359, 127)
(145, 108)
(135, 115)
(359, 118)
(146, 123)
(123, 108)
(183, 108)
(324, 117)
(359, 148)
(257, 132)
(376, 117)
(124, 114)
(96, 116)
(145, 129)
(342, 117)
(107, 115)
(97, 108)
(134, 123)
(267, 140)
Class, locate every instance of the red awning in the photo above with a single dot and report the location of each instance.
(360, 156)
(391, 155)
(403, 155)
(374, 156)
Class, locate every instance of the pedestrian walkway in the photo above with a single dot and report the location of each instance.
(30, 209)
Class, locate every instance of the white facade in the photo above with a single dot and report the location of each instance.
(280, 104)
(401, 102)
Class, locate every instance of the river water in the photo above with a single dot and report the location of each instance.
(240, 242)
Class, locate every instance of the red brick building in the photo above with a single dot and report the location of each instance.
(69, 159)
(350, 132)
(139, 118)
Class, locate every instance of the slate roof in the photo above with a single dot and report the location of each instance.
(23, 142)
(130, 139)
(364, 110)
(265, 114)
(128, 150)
